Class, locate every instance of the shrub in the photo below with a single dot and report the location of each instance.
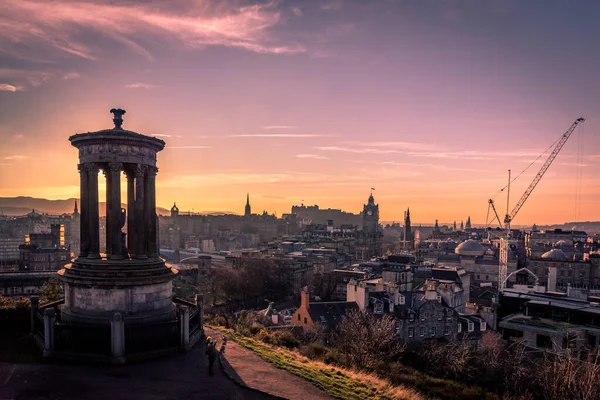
(335, 357)
(285, 338)
(314, 351)
(264, 336)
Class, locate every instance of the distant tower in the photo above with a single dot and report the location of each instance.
(371, 236)
(247, 211)
(75, 210)
(436, 227)
(454, 226)
(468, 226)
(408, 236)
(371, 216)
(174, 210)
(462, 226)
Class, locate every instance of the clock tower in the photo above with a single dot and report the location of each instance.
(370, 242)
(371, 216)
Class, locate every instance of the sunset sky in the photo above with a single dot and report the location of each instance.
(430, 102)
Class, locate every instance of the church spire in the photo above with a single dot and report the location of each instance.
(75, 210)
(248, 210)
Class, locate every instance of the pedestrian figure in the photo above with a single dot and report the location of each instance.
(212, 356)
(223, 345)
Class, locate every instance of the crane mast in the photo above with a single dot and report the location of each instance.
(505, 243)
(509, 217)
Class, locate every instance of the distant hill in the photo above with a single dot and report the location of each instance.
(15, 206)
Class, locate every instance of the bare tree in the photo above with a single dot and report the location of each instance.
(367, 339)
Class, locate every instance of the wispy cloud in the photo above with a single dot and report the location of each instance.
(276, 135)
(313, 156)
(140, 85)
(15, 157)
(5, 87)
(188, 147)
(297, 11)
(268, 127)
(573, 164)
(71, 75)
(64, 24)
(356, 150)
(161, 135)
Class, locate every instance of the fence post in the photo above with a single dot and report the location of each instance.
(117, 338)
(35, 304)
(49, 322)
(184, 315)
(200, 304)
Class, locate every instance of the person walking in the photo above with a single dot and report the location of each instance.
(212, 356)
(223, 344)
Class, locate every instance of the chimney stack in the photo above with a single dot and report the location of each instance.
(304, 299)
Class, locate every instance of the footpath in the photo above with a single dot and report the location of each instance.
(250, 370)
(184, 376)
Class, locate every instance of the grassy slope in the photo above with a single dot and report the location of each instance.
(347, 384)
(335, 381)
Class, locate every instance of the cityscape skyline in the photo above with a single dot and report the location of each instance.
(311, 102)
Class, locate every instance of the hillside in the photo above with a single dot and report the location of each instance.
(15, 206)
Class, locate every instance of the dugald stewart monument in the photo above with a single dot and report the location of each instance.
(120, 303)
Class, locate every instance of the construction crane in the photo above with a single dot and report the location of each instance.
(496, 217)
(510, 216)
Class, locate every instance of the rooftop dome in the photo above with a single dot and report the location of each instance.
(470, 248)
(555, 254)
(562, 243)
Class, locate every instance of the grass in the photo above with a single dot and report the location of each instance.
(335, 381)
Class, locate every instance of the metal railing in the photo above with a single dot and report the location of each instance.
(146, 337)
(83, 336)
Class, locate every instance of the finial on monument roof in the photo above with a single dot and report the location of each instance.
(118, 117)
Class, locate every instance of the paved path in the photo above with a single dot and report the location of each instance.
(264, 376)
(184, 376)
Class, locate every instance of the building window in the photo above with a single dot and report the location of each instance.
(423, 316)
(487, 277)
(305, 320)
(401, 300)
(422, 331)
(411, 331)
(482, 326)
(398, 326)
(570, 273)
(459, 327)
(411, 317)
(471, 326)
(298, 316)
(543, 342)
(433, 331)
(446, 330)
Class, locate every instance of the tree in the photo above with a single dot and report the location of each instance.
(51, 290)
(367, 339)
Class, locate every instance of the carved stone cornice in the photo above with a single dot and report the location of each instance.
(117, 166)
(139, 170)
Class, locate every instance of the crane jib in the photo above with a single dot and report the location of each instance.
(542, 171)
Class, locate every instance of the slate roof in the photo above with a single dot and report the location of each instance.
(330, 313)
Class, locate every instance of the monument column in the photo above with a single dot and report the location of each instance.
(140, 228)
(108, 210)
(84, 215)
(151, 211)
(130, 210)
(115, 210)
(94, 217)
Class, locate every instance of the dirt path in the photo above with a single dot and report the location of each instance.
(253, 371)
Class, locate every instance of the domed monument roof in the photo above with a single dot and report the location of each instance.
(470, 247)
(561, 243)
(555, 254)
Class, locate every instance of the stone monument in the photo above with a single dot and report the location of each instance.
(130, 280)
